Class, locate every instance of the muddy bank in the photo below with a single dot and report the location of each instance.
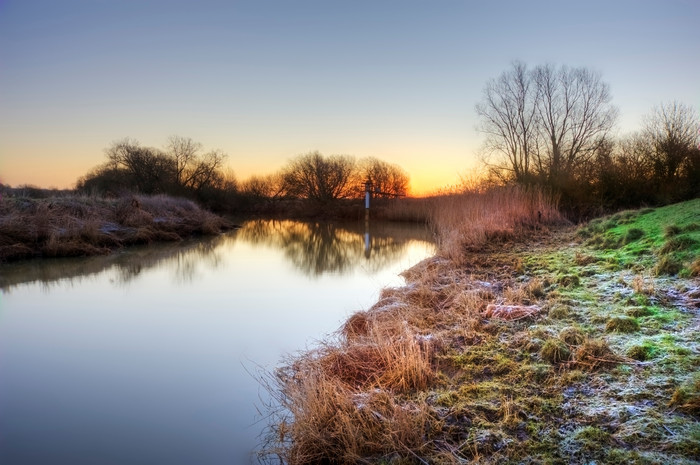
(81, 226)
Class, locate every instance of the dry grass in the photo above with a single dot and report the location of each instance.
(495, 351)
(343, 397)
(77, 226)
(471, 221)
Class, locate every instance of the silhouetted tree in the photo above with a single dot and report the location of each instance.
(181, 170)
(316, 177)
(387, 179)
(268, 187)
(185, 154)
(151, 171)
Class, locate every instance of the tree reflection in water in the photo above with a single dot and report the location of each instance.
(183, 258)
(314, 249)
(317, 248)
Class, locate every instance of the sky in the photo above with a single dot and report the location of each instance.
(265, 81)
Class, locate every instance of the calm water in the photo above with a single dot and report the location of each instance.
(150, 356)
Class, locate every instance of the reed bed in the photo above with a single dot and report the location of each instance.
(472, 220)
(79, 226)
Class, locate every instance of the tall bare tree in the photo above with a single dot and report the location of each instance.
(509, 118)
(574, 119)
(185, 153)
(672, 132)
(545, 124)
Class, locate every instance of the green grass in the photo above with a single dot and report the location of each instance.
(667, 236)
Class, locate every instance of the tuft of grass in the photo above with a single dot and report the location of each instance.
(642, 352)
(594, 354)
(569, 281)
(622, 324)
(694, 268)
(572, 336)
(667, 265)
(555, 351)
(678, 244)
(672, 230)
(633, 234)
(687, 397)
(636, 312)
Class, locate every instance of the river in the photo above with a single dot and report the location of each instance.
(153, 354)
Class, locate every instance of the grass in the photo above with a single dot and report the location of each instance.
(77, 226)
(669, 237)
(521, 346)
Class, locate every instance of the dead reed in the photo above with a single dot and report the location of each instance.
(471, 220)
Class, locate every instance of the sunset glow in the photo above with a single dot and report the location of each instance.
(266, 82)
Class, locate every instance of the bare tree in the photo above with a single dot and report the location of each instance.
(151, 170)
(268, 187)
(508, 118)
(545, 124)
(204, 171)
(315, 177)
(185, 153)
(672, 133)
(180, 170)
(388, 180)
(574, 118)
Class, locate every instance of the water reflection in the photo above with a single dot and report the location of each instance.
(182, 259)
(313, 248)
(319, 248)
(145, 356)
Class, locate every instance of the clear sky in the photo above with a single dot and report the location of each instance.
(267, 80)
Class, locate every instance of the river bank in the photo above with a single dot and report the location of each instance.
(73, 225)
(527, 342)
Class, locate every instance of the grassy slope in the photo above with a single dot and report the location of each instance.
(606, 370)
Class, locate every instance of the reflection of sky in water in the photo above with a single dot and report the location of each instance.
(144, 357)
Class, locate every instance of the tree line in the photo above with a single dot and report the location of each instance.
(550, 127)
(553, 127)
(183, 168)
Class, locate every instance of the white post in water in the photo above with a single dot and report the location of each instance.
(368, 189)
